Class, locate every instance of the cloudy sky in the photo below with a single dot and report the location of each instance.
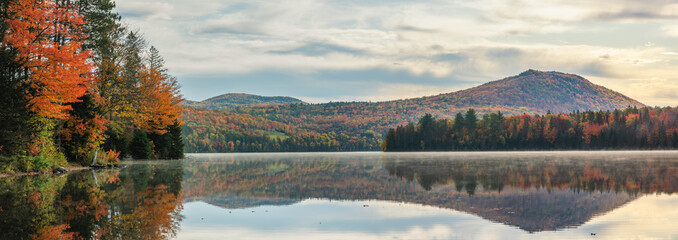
(372, 50)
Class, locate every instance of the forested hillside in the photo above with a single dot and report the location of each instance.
(531, 92)
(222, 131)
(75, 84)
(236, 100)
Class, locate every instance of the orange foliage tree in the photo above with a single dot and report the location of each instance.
(47, 38)
(161, 101)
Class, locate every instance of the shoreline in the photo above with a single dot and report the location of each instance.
(69, 169)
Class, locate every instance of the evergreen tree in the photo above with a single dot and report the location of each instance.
(471, 120)
(176, 149)
(140, 146)
(14, 113)
(458, 123)
(117, 140)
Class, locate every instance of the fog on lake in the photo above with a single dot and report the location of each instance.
(484, 195)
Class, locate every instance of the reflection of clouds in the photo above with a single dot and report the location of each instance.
(335, 220)
(386, 209)
(650, 217)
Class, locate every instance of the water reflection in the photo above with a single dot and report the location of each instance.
(142, 201)
(532, 191)
(540, 193)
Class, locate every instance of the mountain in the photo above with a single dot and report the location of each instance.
(350, 126)
(236, 100)
(537, 92)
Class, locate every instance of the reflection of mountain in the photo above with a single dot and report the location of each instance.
(535, 210)
(235, 202)
(533, 194)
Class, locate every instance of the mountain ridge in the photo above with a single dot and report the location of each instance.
(356, 126)
(543, 90)
(235, 100)
(508, 91)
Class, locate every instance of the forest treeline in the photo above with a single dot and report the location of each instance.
(77, 84)
(632, 128)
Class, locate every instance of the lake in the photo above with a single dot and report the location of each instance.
(374, 195)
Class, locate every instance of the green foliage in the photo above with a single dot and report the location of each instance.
(117, 140)
(169, 145)
(176, 147)
(43, 153)
(140, 146)
(14, 112)
(101, 24)
(471, 119)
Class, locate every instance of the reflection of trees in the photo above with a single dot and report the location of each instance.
(27, 206)
(534, 194)
(634, 177)
(156, 215)
(138, 202)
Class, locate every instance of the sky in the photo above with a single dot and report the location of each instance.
(376, 50)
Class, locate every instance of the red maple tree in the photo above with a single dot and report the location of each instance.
(48, 39)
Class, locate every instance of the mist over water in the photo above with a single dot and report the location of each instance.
(495, 195)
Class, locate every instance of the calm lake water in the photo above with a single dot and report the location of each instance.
(498, 195)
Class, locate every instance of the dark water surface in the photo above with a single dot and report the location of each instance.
(497, 195)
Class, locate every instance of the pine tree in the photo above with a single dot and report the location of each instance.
(471, 120)
(14, 111)
(176, 149)
(140, 146)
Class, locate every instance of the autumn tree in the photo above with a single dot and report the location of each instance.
(75, 80)
(48, 39)
(83, 131)
(45, 39)
(159, 93)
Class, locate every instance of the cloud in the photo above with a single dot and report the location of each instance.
(667, 93)
(319, 45)
(320, 49)
(576, 11)
(145, 10)
(326, 85)
(671, 30)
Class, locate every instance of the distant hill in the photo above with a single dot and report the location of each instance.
(236, 100)
(344, 126)
(536, 92)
